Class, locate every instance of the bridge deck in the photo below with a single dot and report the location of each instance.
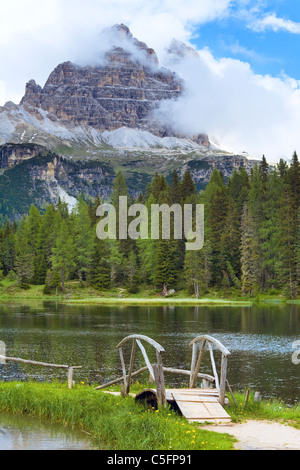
(196, 404)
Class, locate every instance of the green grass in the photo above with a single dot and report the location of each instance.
(114, 422)
(117, 423)
(147, 296)
(275, 410)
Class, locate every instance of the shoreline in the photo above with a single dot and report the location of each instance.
(86, 295)
(170, 301)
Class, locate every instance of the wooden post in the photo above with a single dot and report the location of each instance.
(247, 397)
(160, 386)
(123, 368)
(131, 366)
(194, 377)
(223, 379)
(214, 366)
(193, 364)
(160, 381)
(231, 392)
(70, 378)
(257, 396)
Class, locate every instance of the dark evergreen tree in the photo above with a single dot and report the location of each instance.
(101, 269)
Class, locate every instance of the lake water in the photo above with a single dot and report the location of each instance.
(259, 338)
(18, 432)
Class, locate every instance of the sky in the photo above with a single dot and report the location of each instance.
(243, 90)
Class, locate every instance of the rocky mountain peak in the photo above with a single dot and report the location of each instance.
(121, 91)
(121, 38)
(178, 50)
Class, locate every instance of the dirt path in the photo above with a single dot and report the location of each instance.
(261, 435)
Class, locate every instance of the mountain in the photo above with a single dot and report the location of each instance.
(91, 120)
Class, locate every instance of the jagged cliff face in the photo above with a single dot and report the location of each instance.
(11, 155)
(90, 121)
(122, 91)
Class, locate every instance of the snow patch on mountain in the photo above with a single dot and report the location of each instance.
(19, 125)
(65, 197)
(125, 137)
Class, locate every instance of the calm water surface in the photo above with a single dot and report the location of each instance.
(259, 338)
(18, 432)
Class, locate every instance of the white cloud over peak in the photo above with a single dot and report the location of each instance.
(243, 111)
(224, 97)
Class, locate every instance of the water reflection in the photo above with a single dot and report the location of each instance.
(260, 339)
(18, 432)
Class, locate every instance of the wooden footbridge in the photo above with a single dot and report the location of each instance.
(202, 404)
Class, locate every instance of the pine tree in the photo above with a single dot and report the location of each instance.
(158, 188)
(294, 179)
(250, 256)
(216, 219)
(62, 258)
(56, 281)
(131, 273)
(187, 186)
(24, 268)
(269, 230)
(230, 241)
(165, 271)
(84, 239)
(116, 262)
(264, 169)
(197, 269)
(100, 269)
(174, 196)
(287, 243)
(44, 243)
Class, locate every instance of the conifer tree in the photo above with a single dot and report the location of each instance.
(216, 219)
(62, 258)
(294, 179)
(84, 239)
(187, 186)
(165, 272)
(287, 243)
(250, 256)
(100, 269)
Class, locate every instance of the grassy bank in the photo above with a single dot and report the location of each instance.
(74, 293)
(113, 422)
(117, 423)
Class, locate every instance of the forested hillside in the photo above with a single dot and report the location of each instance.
(252, 239)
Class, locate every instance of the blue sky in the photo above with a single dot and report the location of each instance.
(243, 91)
(265, 34)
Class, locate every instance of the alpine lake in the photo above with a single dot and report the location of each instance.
(261, 339)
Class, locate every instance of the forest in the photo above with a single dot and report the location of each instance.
(252, 239)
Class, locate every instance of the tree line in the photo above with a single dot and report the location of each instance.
(252, 238)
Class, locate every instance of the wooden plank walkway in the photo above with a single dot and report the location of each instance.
(196, 404)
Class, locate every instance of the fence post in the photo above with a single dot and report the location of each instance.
(70, 377)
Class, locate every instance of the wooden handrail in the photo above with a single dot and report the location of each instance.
(195, 365)
(156, 370)
(151, 341)
(45, 364)
(212, 340)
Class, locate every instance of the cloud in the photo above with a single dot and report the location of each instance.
(241, 110)
(274, 23)
(36, 36)
(224, 97)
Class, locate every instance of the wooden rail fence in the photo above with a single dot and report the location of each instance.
(44, 364)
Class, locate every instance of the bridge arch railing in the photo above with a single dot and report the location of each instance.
(157, 370)
(220, 379)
